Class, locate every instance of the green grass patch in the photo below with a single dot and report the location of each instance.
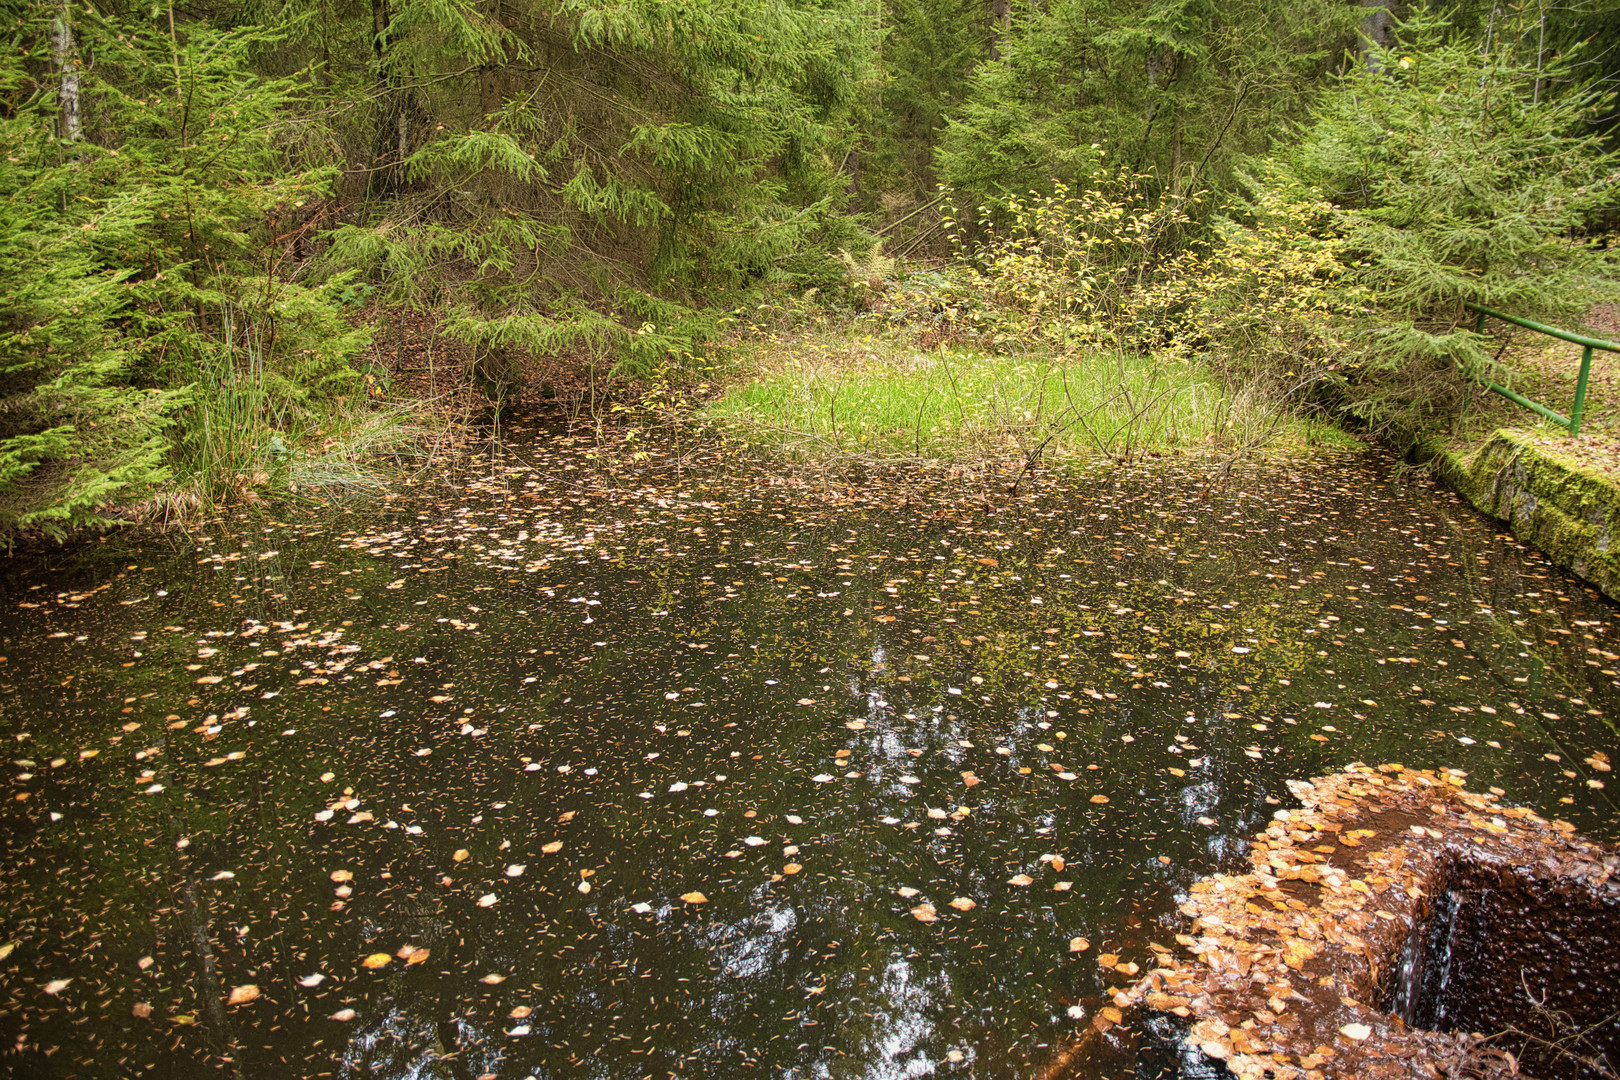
(825, 396)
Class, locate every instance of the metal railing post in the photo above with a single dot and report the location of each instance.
(1572, 422)
(1580, 392)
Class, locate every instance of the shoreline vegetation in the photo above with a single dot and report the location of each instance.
(839, 395)
(247, 264)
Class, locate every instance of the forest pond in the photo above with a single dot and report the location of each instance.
(577, 771)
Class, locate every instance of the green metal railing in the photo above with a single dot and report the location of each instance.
(1572, 422)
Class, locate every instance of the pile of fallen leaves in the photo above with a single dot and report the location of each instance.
(1283, 968)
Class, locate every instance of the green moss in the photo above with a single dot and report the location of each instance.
(1567, 510)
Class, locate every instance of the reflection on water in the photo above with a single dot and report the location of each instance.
(607, 775)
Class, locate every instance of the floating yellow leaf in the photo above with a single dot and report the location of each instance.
(461, 855)
(925, 913)
(520, 1012)
(376, 960)
(963, 903)
(553, 847)
(241, 995)
(1099, 798)
(792, 868)
(1020, 879)
(1079, 944)
(694, 898)
(342, 875)
(56, 986)
(416, 956)
(493, 979)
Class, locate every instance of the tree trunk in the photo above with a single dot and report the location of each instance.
(1378, 28)
(1001, 23)
(68, 65)
(399, 119)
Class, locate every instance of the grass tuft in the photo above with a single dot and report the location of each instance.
(824, 395)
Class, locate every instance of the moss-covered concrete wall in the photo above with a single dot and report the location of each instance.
(1554, 503)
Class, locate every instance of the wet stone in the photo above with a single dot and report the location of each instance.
(1397, 925)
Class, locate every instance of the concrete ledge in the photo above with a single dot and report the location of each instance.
(1554, 503)
(1392, 899)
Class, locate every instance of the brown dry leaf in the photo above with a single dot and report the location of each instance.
(241, 995)
(969, 779)
(1108, 959)
(963, 903)
(553, 847)
(141, 1010)
(1058, 863)
(376, 960)
(416, 956)
(925, 913)
(694, 898)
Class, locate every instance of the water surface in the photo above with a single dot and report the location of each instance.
(494, 734)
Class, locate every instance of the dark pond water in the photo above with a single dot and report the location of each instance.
(495, 737)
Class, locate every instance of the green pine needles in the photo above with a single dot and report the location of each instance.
(1461, 173)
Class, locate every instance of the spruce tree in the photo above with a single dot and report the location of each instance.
(1462, 173)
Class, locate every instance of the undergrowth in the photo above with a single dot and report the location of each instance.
(832, 392)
